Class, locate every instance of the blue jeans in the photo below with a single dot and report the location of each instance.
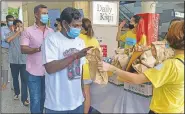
(17, 69)
(36, 85)
(93, 111)
(78, 110)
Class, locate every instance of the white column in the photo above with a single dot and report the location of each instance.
(4, 10)
(148, 6)
(20, 13)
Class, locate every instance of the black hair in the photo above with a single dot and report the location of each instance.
(36, 9)
(9, 16)
(137, 18)
(70, 13)
(58, 19)
(17, 21)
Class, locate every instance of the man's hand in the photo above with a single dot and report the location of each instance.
(38, 49)
(82, 53)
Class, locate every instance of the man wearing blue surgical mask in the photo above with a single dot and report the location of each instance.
(31, 41)
(63, 56)
(4, 45)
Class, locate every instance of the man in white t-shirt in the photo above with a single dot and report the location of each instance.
(63, 57)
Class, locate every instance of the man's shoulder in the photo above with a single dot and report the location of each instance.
(79, 39)
(29, 28)
(54, 36)
(5, 29)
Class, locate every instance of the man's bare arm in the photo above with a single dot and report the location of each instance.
(57, 65)
(9, 39)
(28, 50)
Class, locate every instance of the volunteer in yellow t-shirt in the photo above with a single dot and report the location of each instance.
(135, 34)
(87, 34)
(171, 23)
(167, 77)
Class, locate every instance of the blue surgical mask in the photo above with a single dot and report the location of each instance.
(44, 18)
(74, 32)
(10, 23)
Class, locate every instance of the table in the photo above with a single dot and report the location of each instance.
(114, 99)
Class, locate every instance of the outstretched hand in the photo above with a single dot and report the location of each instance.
(103, 66)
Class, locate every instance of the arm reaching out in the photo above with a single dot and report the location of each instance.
(127, 76)
(58, 65)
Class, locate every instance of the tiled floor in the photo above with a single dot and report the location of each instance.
(9, 105)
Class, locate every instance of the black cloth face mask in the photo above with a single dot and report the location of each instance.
(131, 26)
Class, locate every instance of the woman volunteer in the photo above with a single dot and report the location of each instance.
(167, 77)
(87, 34)
(135, 34)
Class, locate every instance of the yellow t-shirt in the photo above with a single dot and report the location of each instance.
(130, 39)
(168, 81)
(88, 42)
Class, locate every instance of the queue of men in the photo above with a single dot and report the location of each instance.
(50, 63)
(42, 58)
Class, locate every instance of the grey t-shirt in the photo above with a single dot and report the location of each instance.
(15, 56)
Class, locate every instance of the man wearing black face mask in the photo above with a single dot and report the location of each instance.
(135, 35)
(63, 57)
(57, 25)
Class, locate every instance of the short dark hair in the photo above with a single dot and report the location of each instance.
(16, 21)
(70, 13)
(137, 18)
(58, 19)
(36, 9)
(9, 16)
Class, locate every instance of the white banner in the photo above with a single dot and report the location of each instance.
(105, 13)
(179, 14)
(4, 10)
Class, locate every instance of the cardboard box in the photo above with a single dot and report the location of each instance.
(144, 90)
(114, 80)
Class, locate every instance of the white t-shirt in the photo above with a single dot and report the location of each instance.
(62, 93)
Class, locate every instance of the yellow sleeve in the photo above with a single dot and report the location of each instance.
(162, 74)
(123, 37)
(143, 40)
(86, 73)
(96, 43)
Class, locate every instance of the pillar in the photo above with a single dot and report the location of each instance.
(4, 10)
(148, 6)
